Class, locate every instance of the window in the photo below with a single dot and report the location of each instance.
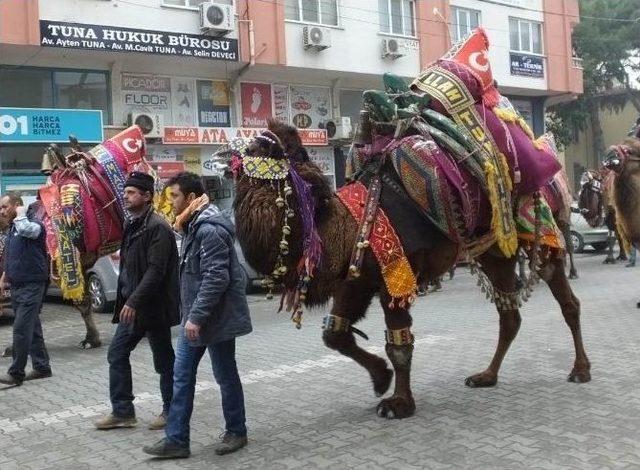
(184, 3)
(525, 36)
(397, 17)
(463, 22)
(28, 87)
(312, 11)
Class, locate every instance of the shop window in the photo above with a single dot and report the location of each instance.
(312, 11)
(397, 17)
(464, 21)
(22, 159)
(525, 36)
(28, 87)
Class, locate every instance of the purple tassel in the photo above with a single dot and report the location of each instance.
(312, 244)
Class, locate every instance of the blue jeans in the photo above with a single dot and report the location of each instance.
(124, 341)
(26, 302)
(225, 371)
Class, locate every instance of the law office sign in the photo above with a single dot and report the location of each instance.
(43, 125)
(117, 39)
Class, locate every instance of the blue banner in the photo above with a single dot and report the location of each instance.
(42, 125)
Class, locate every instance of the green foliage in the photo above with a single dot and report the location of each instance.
(607, 47)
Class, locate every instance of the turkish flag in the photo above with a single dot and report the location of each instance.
(474, 53)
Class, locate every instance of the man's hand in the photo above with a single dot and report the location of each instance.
(21, 211)
(127, 314)
(191, 330)
(4, 285)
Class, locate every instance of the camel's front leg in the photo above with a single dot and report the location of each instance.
(399, 349)
(350, 302)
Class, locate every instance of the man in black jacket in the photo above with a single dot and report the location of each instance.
(146, 302)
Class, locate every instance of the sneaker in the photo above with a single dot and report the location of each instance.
(230, 443)
(159, 423)
(165, 449)
(112, 422)
(8, 379)
(38, 374)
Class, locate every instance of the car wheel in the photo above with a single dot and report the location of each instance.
(98, 297)
(577, 241)
(600, 246)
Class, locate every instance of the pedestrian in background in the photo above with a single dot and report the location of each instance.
(26, 273)
(214, 311)
(146, 303)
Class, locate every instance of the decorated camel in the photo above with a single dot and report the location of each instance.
(83, 212)
(436, 169)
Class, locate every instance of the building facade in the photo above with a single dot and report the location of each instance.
(201, 78)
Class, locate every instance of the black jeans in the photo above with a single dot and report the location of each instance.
(124, 341)
(26, 302)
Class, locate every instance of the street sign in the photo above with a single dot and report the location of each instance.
(43, 125)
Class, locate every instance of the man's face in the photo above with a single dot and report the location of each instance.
(7, 209)
(135, 199)
(178, 200)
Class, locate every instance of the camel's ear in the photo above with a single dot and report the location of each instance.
(287, 134)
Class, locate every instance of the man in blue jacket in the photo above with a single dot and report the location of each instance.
(26, 273)
(214, 311)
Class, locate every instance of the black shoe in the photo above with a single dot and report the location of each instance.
(38, 374)
(230, 443)
(9, 379)
(165, 449)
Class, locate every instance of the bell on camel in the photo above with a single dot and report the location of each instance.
(46, 168)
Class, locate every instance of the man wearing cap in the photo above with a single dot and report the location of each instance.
(146, 302)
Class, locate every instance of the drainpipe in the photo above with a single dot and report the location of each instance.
(335, 97)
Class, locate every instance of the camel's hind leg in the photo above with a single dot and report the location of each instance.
(399, 349)
(92, 337)
(501, 273)
(570, 305)
(350, 302)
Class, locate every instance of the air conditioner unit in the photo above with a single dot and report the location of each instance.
(216, 18)
(338, 128)
(151, 124)
(315, 37)
(392, 49)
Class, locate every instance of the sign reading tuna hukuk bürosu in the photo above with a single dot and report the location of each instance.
(117, 39)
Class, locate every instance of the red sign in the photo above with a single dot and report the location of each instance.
(180, 135)
(223, 135)
(167, 170)
(256, 104)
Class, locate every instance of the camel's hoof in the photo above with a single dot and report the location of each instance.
(609, 261)
(8, 352)
(89, 344)
(381, 382)
(396, 408)
(573, 275)
(483, 379)
(579, 377)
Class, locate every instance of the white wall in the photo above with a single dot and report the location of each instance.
(356, 44)
(495, 19)
(140, 14)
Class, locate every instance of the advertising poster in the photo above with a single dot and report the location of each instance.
(191, 158)
(147, 94)
(256, 104)
(309, 106)
(527, 65)
(213, 103)
(183, 101)
(281, 102)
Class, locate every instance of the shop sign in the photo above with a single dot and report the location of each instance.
(256, 104)
(117, 39)
(41, 125)
(525, 65)
(309, 106)
(183, 96)
(213, 103)
(281, 103)
(323, 157)
(167, 170)
(223, 135)
(146, 93)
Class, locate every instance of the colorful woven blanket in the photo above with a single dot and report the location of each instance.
(397, 273)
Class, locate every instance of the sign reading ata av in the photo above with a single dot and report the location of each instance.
(33, 125)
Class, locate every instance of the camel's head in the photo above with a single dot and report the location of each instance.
(591, 200)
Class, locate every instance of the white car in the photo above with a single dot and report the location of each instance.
(583, 234)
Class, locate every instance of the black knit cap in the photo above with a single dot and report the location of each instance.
(141, 181)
